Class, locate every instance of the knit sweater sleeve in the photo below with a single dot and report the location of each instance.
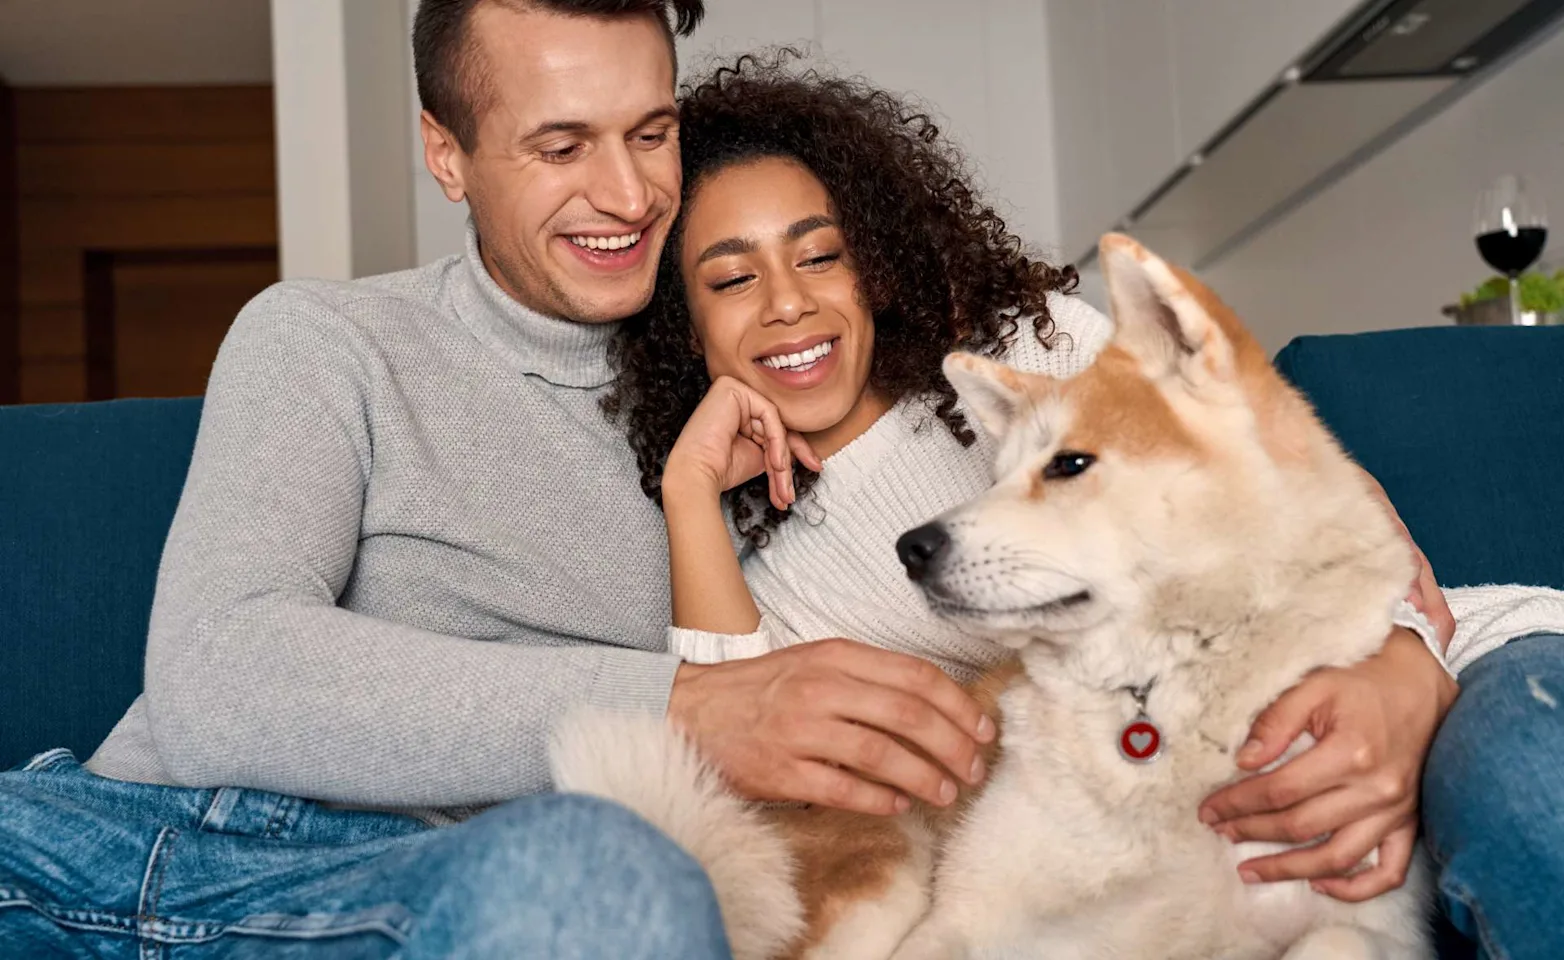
(1488, 617)
(700, 646)
(256, 678)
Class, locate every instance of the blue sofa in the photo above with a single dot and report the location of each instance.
(1463, 426)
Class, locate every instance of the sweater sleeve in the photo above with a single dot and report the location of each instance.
(1488, 617)
(700, 646)
(256, 678)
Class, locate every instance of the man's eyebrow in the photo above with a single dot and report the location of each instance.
(731, 247)
(555, 126)
(665, 112)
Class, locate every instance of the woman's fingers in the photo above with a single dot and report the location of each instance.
(804, 452)
(765, 425)
(1395, 859)
(760, 422)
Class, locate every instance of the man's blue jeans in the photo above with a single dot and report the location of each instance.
(1493, 802)
(91, 867)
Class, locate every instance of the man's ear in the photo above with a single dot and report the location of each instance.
(1161, 317)
(990, 390)
(444, 157)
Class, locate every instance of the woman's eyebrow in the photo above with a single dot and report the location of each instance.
(807, 225)
(734, 246)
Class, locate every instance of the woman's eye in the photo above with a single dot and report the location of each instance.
(729, 283)
(821, 260)
(1070, 463)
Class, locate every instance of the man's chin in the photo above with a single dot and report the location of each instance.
(610, 311)
(608, 300)
(605, 299)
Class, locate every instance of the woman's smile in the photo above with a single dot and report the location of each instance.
(801, 364)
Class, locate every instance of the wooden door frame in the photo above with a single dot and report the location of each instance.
(98, 307)
(10, 253)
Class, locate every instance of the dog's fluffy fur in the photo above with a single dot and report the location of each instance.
(1219, 547)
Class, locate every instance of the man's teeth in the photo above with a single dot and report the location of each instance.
(607, 243)
(802, 360)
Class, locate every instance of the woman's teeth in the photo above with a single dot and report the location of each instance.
(607, 243)
(803, 360)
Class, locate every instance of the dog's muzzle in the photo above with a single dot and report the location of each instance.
(922, 549)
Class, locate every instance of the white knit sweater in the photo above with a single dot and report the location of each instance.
(832, 570)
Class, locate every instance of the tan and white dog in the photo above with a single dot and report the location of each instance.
(1173, 540)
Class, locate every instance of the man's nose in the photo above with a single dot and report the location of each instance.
(920, 549)
(619, 188)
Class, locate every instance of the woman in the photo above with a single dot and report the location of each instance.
(829, 255)
(828, 311)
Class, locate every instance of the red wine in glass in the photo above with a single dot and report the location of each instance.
(1510, 253)
(1512, 228)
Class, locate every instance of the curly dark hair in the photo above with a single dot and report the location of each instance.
(936, 266)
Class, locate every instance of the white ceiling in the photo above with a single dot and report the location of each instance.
(54, 43)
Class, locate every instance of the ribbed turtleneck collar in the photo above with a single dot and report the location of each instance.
(563, 352)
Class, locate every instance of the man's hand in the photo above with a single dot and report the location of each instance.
(813, 722)
(1357, 785)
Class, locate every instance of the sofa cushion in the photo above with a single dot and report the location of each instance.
(87, 492)
(1464, 427)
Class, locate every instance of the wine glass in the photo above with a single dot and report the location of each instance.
(1512, 228)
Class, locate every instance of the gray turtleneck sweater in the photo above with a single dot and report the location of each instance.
(409, 539)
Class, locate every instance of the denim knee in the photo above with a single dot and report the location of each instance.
(583, 828)
(568, 875)
(1495, 763)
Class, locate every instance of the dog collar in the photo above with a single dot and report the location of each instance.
(1141, 740)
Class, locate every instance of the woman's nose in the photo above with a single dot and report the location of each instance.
(789, 303)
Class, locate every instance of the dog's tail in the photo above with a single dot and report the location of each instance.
(643, 763)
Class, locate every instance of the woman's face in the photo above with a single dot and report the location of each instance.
(774, 297)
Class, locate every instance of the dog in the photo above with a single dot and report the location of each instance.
(1173, 540)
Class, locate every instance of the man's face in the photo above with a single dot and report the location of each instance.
(574, 180)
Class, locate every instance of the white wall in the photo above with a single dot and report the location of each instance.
(344, 188)
(438, 224)
(982, 66)
(1392, 242)
(75, 43)
(1142, 85)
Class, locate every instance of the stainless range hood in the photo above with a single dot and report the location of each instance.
(1388, 67)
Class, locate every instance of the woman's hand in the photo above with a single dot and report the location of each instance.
(734, 435)
(1357, 786)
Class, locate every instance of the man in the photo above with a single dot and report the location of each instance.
(408, 542)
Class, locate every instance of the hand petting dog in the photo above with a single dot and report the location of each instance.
(814, 723)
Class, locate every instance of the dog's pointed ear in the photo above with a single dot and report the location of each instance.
(990, 390)
(1163, 316)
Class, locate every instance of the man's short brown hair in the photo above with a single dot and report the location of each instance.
(453, 81)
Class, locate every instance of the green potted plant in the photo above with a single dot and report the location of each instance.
(1541, 296)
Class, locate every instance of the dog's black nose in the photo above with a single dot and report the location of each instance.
(920, 548)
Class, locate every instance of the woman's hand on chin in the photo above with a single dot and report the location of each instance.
(735, 434)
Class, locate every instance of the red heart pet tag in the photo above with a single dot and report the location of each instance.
(1140, 741)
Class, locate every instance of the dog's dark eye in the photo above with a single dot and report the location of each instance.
(1068, 464)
